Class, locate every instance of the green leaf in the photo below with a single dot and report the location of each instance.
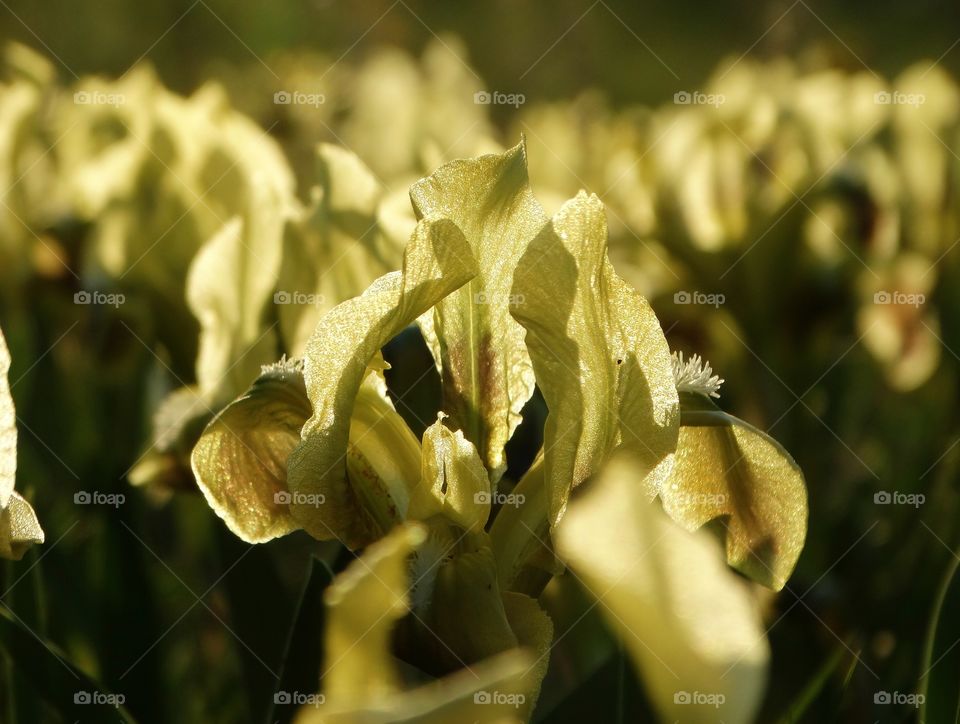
(816, 685)
(477, 346)
(600, 356)
(941, 659)
(56, 680)
(300, 664)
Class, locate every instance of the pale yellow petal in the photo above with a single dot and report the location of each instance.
(336, 250)
(467, 612)
(479, 348)
(534, 631)
(240, 461)
(19, 528)
(453, 482)
(490, 692)
(689, 622)
(230, 286)
(383, 459)
(363, 605)
(437, 261)
(725, 468)
(600, 356)
(362, 682)
(8, 429)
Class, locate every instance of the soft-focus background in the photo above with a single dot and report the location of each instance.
(782, 180)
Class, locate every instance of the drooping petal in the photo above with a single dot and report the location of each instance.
(725, 467)
(478, 347)
(600, 357)
(19, 528)
(383, 458)
(240, 461)
(437, 261)
(686, 619)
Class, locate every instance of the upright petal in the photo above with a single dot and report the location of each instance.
(453, 481)
(478, 347)
(8, 429)
(19, 528)
(600, 357)
(229, 287)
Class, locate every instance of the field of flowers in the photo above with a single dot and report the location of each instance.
(342, 383)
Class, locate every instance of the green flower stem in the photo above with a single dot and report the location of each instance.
(519, 534)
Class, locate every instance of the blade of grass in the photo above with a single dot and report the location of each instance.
(302, 655)
(941, 659)
(54, 678)
(816, 685)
